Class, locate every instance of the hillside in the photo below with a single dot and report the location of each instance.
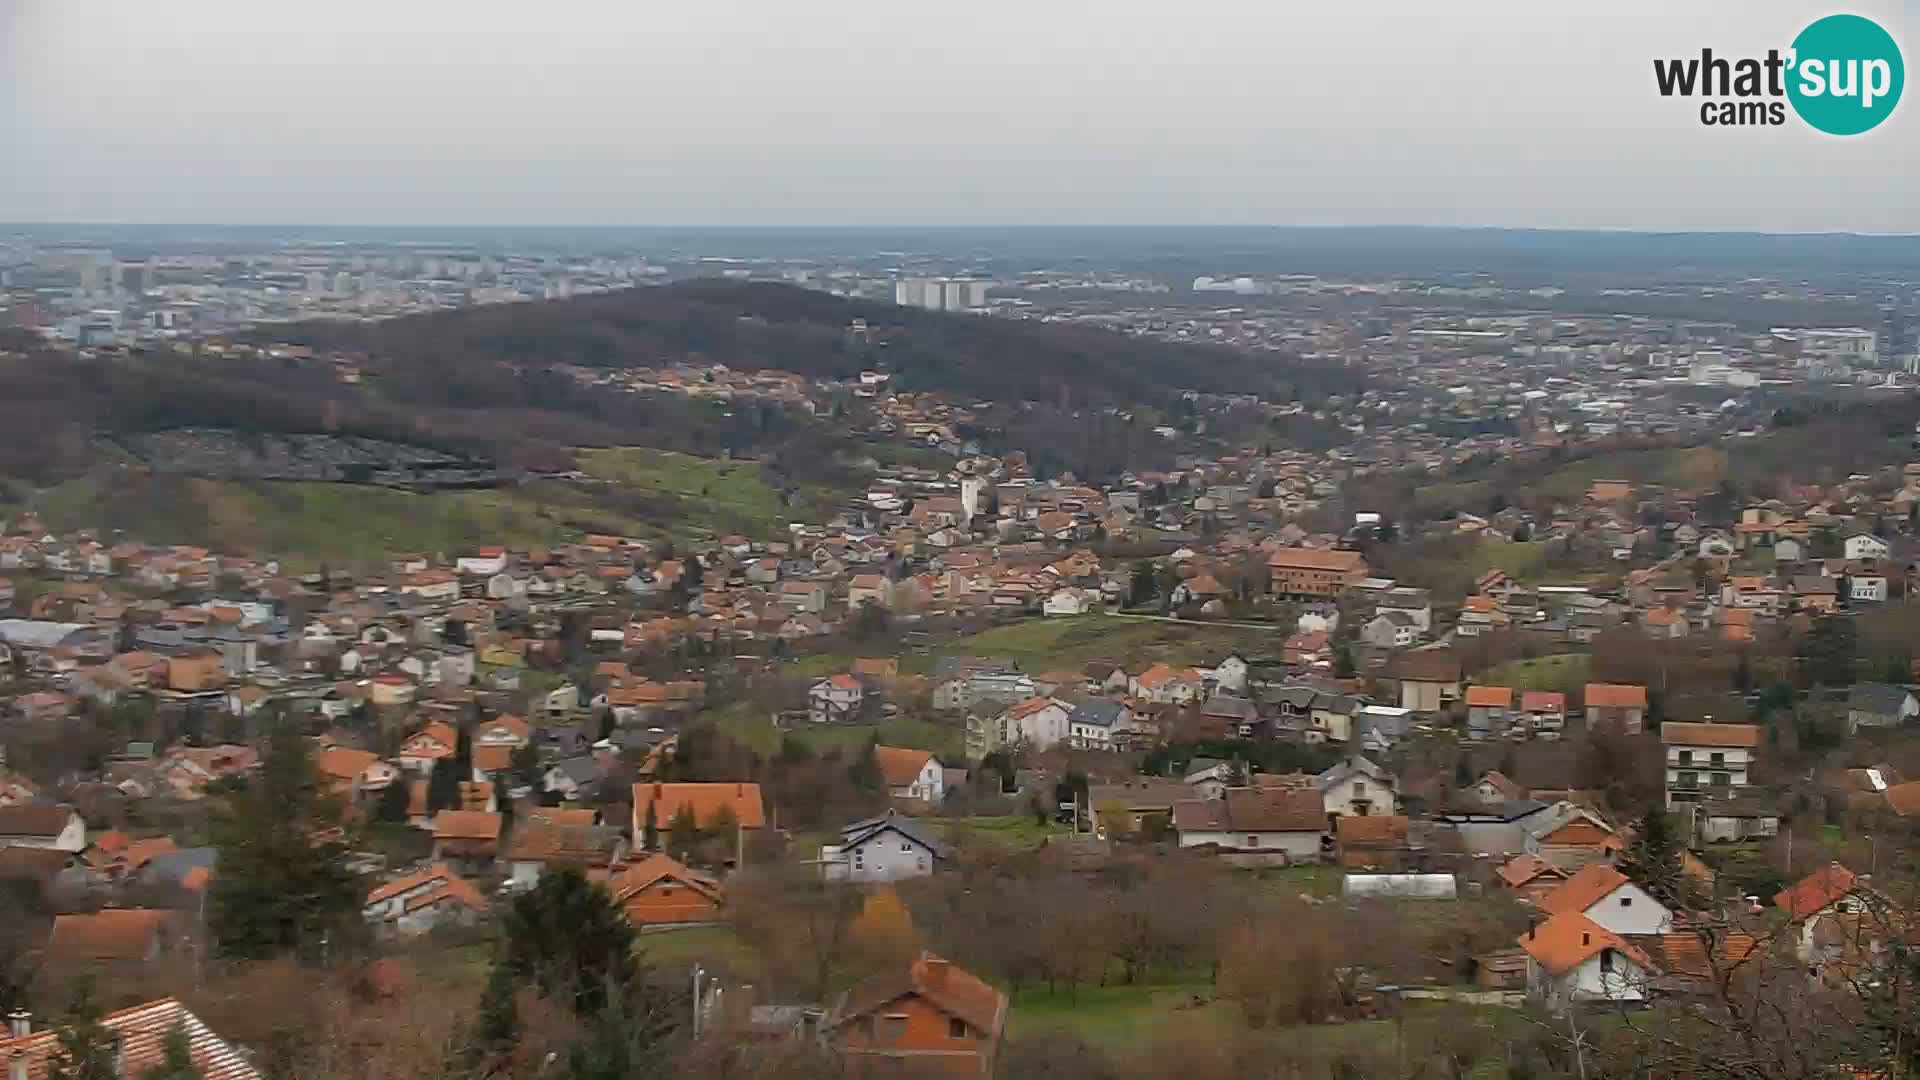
(752, 325)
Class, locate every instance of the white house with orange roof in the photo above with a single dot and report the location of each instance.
(835, 699)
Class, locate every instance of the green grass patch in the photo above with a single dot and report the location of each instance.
(1118, 1016)
(713, 496)
(1697, 468)
(1012, 831)
(717, 948)
(1039, 645)
(1562, 671)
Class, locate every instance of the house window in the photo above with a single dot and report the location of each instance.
(1626, 901)
(905, 846)
(956, 1029)
(893, 1027)
(1686, 757)
(1689, 779)
(1721, 779)
(1716, 760)
(1606, 961)
(1253, 841)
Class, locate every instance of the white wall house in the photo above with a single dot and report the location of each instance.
(1707, 760)
(1611, 900)
(1866, 546)
(880, 849)
(1573, 960)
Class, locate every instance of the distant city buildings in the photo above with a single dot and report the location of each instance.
(942, 293)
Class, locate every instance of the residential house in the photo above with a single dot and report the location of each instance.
(570, 777)
(1390, 630)
(835, 699)
(1544, 712)
(1612, 900)
(1041, 723)
(1356, 786)
(1429, 679)
(1879, 705)
(1831, 895)
(552, 840)
(415, 903)
(1531, 877)
(112, 944)
(934, 1015)
(1616, 705)
(1489, 710)
(1100, 724)
(1707, 759)
(658, 891)
(1164, 684)
(1376, 843)
(912, 774)
(1572, 960)
(1865, 546)
(467, 840)
(884, 848)
(1495, 787)
(1278, 825)
(139, 1037)
(710, 804)
(1313, 572)
(873, 589)
(1416, 604)
(42, 825)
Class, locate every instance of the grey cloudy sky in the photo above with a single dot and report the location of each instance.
(1504, 112)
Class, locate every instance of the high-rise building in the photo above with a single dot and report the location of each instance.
(941, 293)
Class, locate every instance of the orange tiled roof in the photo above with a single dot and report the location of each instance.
(1565, 941)
(1584, 889)
(704, 799)
(1813, 893)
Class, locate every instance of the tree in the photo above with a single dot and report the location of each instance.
(396, 801)
(496, 1029)
(1655, 859)
(721, 837)
(683, 833)
(176, 1057)
(86, 1044)
(1343, 665)
(570, 941)
(865, 773)
(1831, 649)
(500, 781)
(1141, 589)
(284, 881)
(650, 831)
(635, 1035)
(443, 787)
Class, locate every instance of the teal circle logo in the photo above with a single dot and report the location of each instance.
(1846, 75)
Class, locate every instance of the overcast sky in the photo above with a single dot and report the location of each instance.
(835, 112)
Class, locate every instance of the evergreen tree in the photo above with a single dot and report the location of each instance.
(494, 1032)
(1830, 649)
(525, 764)
(568, 939)
(284, 882)
(1655, 859)
(443, 787)
(396, 800)
(176, 1057)
(723, 832)
(1343, 665)
(635, 1035)
(86, 1044)
(650, 831)
(683, 833)
(1144, 582)
(499, 779)
(865, 773)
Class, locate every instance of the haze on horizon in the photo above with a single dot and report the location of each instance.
(867, 112)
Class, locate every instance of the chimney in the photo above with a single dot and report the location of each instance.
(20, 1023)
(936, 970)
(17, 1064)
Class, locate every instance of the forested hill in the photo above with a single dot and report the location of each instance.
(764, 325)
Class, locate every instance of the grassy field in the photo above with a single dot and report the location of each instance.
(1014, 831)
(712, 496)
(1039, 645)
(1117, 1017)
(1563, 671)
(1697, 468)
(751, 728)
(313, 522)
